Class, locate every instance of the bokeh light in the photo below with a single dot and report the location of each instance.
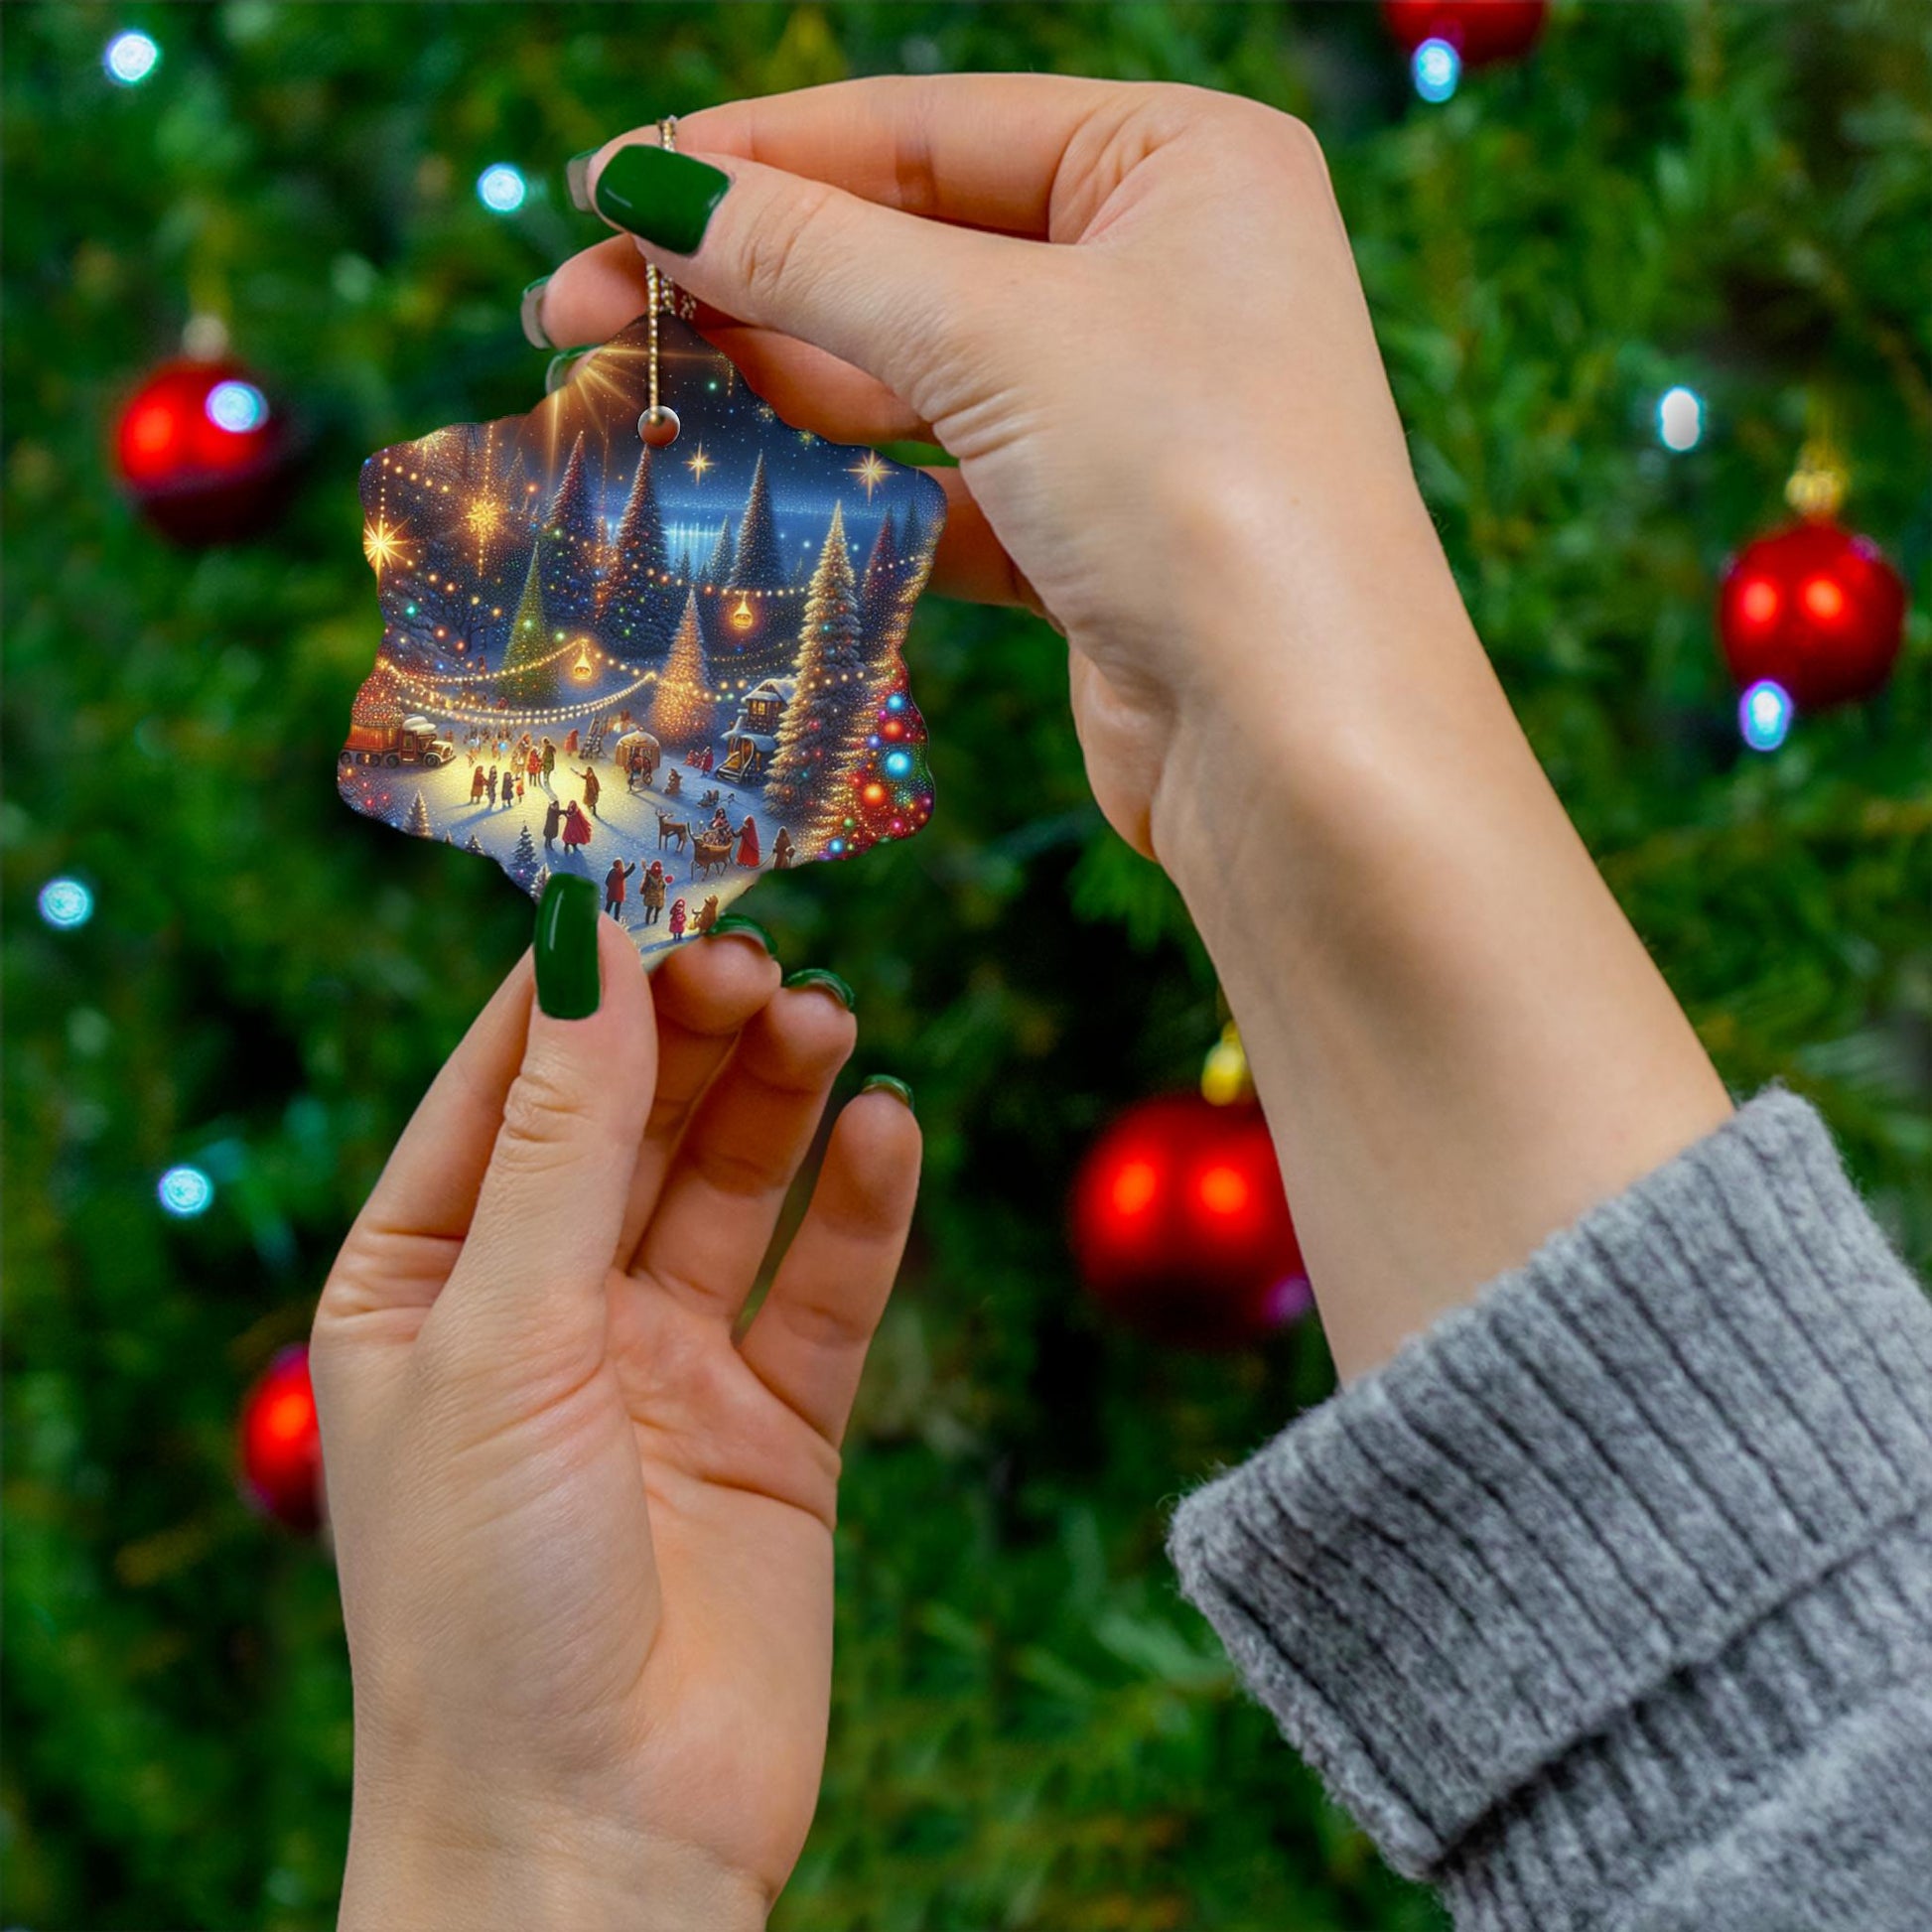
(65, 903)
(236, 406)
(184, 1192)
(130, 58)
(1435, 68)
(1765, 715)
(1679, 419)
(501, 188)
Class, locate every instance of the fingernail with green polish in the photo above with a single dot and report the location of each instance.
(530, 312)
(566, 948)
(577, 178)
(664, 197)
(823, 977)
(558, 372)
(889, 1083)
(738, 923)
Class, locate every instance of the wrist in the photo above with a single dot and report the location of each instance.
(507, 1874)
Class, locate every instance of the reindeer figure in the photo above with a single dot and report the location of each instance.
(673, 831)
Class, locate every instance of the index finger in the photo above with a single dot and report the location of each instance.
(981, 150)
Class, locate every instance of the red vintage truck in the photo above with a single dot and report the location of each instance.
(413, 742)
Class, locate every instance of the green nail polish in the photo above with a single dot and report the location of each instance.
(889, 1083)
(830, 981)
(577, 178)
(919, 456)
(666, 197)
(738, 923)
(566, 948)
(529, 309)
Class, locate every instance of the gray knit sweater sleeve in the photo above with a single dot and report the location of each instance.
(1606, 1604)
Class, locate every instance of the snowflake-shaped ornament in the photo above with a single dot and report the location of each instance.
(666, 669)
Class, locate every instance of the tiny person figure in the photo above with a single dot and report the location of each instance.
(577, 828)
(549, 763)
(491, 786)
(677, 920)
(782, 851)
(613, 887)
(592, 787)
(705, 762)
(519, 787)
(650, 888)
(570, 743)
(477, 782)
(747, 843)
(553, 816)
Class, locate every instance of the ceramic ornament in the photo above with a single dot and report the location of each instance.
(668, 668)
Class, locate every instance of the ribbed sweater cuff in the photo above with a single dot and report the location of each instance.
(1567, 1499)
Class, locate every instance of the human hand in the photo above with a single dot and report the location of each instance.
(585, 1536)
(1175, 434)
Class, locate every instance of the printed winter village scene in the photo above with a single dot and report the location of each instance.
(669, 670)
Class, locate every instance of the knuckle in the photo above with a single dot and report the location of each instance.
(546, 1113)
(770, 261)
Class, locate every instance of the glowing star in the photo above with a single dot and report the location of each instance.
(698, 463)
(382, 545)
(870, 472)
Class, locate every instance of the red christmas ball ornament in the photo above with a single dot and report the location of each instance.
(1814, 608)
(1480, 31)
(203, 451)
(1181, 1226)
(281, 1444)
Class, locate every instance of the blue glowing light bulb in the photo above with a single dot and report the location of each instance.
(1435, 68)
(185, 1192)
(65, 903)
(501, 189)
(1765, 715)
(130, 58)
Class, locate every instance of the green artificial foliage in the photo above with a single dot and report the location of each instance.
(1031, 1730)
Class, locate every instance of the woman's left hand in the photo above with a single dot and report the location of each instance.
(584, 1528)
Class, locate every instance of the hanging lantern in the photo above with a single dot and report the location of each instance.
(744, 617)
(583, 670)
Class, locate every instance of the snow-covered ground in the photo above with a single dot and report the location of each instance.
(625, 825)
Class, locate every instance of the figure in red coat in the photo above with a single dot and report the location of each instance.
(577, 828)
(747, 843)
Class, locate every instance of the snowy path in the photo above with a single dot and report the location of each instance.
(625, 826)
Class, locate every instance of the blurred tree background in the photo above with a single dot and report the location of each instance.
(1031, 1729)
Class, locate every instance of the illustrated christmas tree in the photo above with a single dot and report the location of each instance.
(682, 712)
(915, 538)
(542, 878)
(631, 596)
(890, 791)
(417, 824)
(722, 556)
(528, 677)
(524, 859)
(569, 547)
(471, 845)
(808, 789)
(881, 585)
(757, 565)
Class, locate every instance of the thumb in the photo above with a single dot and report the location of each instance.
(889, 292)
(529, 1284)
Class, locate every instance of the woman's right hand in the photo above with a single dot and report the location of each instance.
(1132, 314)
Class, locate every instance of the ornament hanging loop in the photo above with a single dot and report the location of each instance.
(659, 426)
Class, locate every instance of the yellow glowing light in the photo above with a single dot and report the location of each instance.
(698, 463)
(742, 617)
(382, 545)
(583, 670)
(870, 472)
